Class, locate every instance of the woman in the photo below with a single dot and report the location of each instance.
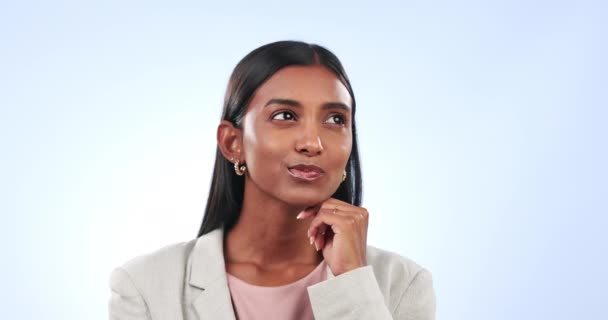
(283, 236)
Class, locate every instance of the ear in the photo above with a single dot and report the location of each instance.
(229, 140)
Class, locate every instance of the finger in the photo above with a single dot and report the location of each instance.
(343, 207)
(313, 229)
(359, 216)
(308, 212)
(326, 238)
(315, 232)
(338, 206)
(323, 232)
(362, 217)
(319, 240)
(335, 221)
(349, 211)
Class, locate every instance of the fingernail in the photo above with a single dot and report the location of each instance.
(312, 239)
(300, 215)
(316, 246)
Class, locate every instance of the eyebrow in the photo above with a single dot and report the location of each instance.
(294, 103)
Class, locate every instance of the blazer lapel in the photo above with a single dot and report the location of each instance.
(208, 273)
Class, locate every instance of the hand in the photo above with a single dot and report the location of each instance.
(340, 230)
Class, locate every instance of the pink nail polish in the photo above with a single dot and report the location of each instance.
(300, 215)
(312, 239)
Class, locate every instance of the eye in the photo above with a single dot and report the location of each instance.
(337, 119)
(286, 116)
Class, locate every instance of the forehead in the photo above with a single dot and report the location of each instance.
(314, 85)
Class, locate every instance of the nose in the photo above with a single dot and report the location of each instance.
(309, 141)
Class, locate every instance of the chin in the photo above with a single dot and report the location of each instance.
(305, 199)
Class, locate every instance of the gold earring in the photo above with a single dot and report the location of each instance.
(343, 175)
(240, 170)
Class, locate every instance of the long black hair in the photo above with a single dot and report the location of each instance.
(226, 193)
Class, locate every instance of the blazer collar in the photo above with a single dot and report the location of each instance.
(208, 272)
(208, 259)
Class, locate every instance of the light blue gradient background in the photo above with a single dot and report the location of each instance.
(483, 133)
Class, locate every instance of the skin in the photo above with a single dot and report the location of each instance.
(300, 115)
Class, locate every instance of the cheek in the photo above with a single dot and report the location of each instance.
(342, 147)
(264, 151)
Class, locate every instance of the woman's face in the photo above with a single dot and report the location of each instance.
(297, 135)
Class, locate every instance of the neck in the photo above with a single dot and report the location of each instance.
(267, 233)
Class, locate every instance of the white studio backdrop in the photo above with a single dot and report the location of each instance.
(482, 128)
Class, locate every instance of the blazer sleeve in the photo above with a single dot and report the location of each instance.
(356, 295)
(126, 303)
(418, 301)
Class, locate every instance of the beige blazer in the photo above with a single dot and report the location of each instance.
(187, 281)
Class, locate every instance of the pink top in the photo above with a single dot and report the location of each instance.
(288, 302)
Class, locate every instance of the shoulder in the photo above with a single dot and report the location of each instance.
(151, 285)
(155, 269)
(165, 257)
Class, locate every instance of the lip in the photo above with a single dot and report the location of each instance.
(306, 172)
